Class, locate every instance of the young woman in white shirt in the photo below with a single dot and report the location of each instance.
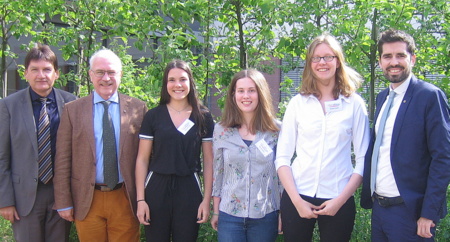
(320, 126)
(246, 189)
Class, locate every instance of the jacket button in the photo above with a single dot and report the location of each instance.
(35, 179)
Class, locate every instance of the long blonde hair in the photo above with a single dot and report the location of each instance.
(347, 79)
(264, 119)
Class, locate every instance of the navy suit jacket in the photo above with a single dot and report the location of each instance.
(420, 150)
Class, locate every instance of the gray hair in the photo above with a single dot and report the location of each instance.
(105, 53)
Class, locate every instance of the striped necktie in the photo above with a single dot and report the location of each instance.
(44, 144)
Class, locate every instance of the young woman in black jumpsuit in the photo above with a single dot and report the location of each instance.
(172, 136)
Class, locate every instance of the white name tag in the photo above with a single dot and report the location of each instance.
(264, 148)
(186, 126)
(333, 106)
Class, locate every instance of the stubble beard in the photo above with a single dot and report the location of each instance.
(397, 78)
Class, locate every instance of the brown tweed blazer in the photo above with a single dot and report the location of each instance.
(75, 163)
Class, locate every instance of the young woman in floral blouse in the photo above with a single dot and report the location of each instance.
(246, 190)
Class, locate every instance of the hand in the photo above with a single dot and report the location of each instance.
(9, 213)
(215, 221)
(305, 209)
(329, 207)
(143, 213)
(67, 214)
(424, 226)
(203, 212)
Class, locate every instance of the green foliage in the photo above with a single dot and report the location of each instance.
(229, 35)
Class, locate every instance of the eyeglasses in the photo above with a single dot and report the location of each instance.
(327, 58)
(101, 73)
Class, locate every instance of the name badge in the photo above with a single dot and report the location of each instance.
(185, 126)
(264, 148)
(333, 106)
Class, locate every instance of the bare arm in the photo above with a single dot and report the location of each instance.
(203, 210)
(142, 162)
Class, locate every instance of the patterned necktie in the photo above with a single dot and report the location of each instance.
(110, 170)
(378, 139)
(44, 144)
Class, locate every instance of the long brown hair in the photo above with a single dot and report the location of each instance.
(264, 119)
(347, 79)
(197, 108)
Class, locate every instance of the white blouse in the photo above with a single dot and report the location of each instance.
(323, 143)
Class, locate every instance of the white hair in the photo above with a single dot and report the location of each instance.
(105, 53)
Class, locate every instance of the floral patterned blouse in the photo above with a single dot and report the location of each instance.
(244, 176)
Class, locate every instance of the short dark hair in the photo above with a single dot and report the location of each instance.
(393, 35)
(41, 52)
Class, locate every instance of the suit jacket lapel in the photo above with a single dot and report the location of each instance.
(87, 115)
(401, 112)
(59, 101)
(28, 117)
(380, 101)
(124, 104)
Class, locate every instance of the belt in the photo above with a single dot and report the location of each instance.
(387, 201)
(105, 188)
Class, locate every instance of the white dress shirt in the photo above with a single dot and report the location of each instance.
(323, 143)
(385, 181)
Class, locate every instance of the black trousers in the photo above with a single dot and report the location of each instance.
(173, 202)
(331, 228)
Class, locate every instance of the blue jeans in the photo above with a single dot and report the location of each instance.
(232, 229)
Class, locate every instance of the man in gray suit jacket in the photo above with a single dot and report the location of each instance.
(26, 164)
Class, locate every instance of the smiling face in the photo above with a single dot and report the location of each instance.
(107, 84)
(246, 95)
(41, 76)
(324, 71)
(178, 84)
(396, 62)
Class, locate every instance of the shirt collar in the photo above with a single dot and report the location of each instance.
(36, 97)
(403, 87)
(114, 98)
(341, 97)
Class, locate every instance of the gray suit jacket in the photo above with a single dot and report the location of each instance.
(19, 149)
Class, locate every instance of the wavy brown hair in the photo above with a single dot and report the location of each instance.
(347, 79)
(264, 119)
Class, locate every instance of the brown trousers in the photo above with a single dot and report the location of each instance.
(110, 219)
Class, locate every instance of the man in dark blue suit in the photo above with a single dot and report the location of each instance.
(407, 171)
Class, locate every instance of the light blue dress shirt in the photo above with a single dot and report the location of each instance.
(114, 111)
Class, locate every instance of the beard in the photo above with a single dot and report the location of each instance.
(397, 78)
